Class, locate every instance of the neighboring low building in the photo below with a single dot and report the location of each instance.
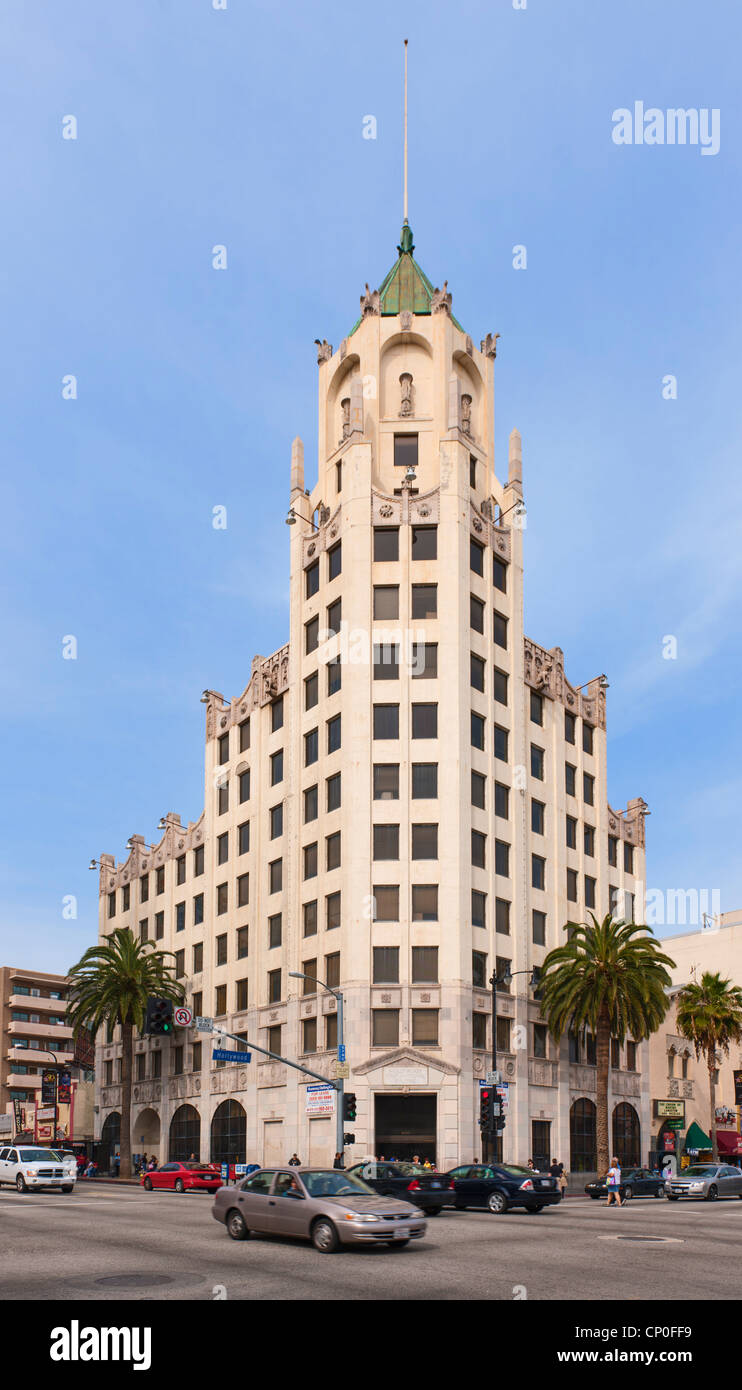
(36, 1035)
(679, 1080)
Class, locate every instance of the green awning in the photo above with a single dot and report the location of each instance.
(696, 1139)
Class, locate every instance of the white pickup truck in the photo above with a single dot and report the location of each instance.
(28, 1168)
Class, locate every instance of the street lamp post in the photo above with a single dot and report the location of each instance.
(339, 1082)
(504, 979)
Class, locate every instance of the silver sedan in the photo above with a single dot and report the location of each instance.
(325, 1205)
(706, 1180)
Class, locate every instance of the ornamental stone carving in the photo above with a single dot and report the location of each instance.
(488, 345)
(370, 303)
(466, 414)
(406, 406)
(405, 320)
(441, 300)
(324, 350)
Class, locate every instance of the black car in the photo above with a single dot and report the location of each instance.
(635, 1182)
(427, 1189)
(500, 1186)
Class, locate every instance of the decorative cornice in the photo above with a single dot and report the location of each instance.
(423, 510)
(406, 1054)
(544, 672)
(487, 532)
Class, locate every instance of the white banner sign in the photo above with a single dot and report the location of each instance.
(320, 1100)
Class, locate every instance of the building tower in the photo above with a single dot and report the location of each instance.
(406, 798)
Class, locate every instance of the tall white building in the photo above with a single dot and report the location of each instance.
(405, 797)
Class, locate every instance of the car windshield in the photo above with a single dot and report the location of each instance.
(698, 1170)
(332, 1183)
(36, 1155)
(516, 1170)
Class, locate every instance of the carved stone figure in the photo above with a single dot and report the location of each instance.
(324, 350)
(441, 300)
(370, 303)
(466, 414)
(406, 407)
(488, 345)
(345, 406)
(405, 320)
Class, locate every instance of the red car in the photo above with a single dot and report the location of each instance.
(183, 1177)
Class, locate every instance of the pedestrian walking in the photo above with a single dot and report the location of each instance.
(338, 1161)
(613, 1184)
(557, 1171)
(294, 1161)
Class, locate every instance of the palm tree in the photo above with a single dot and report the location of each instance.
(110, 984)
(710, 1016)
(609, 977)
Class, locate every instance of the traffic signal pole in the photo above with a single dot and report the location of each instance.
(340, 1084)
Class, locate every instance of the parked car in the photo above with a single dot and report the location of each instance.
(183, 1177)
(707, 1180)
(427, 1189)
(325, 1205)
(28, 1168)
(500, 1186)
(635, 1182)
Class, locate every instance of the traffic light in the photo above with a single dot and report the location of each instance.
(349, 1139)
(485, 1100)
(159, 1017)
(349, 1105)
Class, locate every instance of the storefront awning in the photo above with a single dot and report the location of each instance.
(730, 1143)
(695, 1140)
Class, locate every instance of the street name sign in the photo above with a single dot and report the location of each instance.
(220, 1054)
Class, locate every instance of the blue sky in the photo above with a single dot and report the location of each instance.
(243, 127)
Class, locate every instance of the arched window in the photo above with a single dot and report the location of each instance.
(626, 1136)
(583, 1137)
(185, 1134)
(229, 1133)
(110, 1141)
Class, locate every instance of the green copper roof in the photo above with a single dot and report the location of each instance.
(406, 286)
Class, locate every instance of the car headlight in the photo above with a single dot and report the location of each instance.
(355, 1216)
(696, 1187)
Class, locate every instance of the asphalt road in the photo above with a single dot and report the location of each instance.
(108, 1243)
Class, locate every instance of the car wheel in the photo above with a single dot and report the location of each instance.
(236, 1227)
(660, 1190)
(540, 1207)
(21, 1184)
(712, 1193)
(180, 1185)
(628, 1193)
(324, 1236)
(436, 1211)
(497, 1203)
(69, 1187)
(397, 1244)
(148, 1184)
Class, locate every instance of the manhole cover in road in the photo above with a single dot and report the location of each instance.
(146, 1281)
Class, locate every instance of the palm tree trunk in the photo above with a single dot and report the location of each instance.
(603, 1048)
(127, 1034)
(711, 1060)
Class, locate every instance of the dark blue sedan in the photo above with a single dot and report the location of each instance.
(500, 1186)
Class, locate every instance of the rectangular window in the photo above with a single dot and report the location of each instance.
(386, 543)
(222, 896)
(159, 925)
(613, 851)
(177, 1061)
(589, 841)
(587, 737)
(502, 916)
(570, 779)
(538, 927)
(628, 857)
(424, 660)
(274, 986)
(386, 902)
(180, 867)
(386, 661)
(425, 902)
(502, 801)
(332, 851)
(334, 616)
(273, 1038)
(570, 725)
(425, 842)
(180, 916)
(589, 891)
(386, 781)
(196, 1057)
(243, 890)
(537, 762)
(160, 880)
(631, 1056)
(144, 885)
(538, 817)
(241, 996)
(143, 930)
(540, 1035)
(502, 858)
(333, 788)
(222, 798)
(309, 913)
(476, 556)
(333, 734)
(405, 451)
(502, 969)
(245, 786)
(385, 1027)
(477, 731)
(386, 965)
(311, 691)
(311, 636)
(472, 471)
(572, 885)
(334, 560)
(221, 949)
(425, 600)
(311, 747)
(386, 842)
(331, 1032)
(386, 601)
(501, 743)
(476, 672)
(222, 848)
(478, 908)
(311, 580)
(276, 767)
(276, 875)
(476, 614)
(424, 1027)
(332, 912)
(424, 721)
(334, 676)
(386, 721)
(479, 1032)
(478, 790)
(500, 630)
(479, 969)
(538, 872)
(311, 804)
(499, 574)
(242, 942)
(277, 715)
(223, 749)
(500, 687)
(275, 930)
(478, 849)
(179, 963)
(424, 781)
(588, 785)
(537, 708)
(310, 861)
(571, 829)
(308, 1035)
(424, 543)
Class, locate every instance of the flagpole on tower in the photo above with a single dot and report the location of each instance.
(405, 130)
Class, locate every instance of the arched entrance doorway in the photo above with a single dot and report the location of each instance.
(583, 1143)
(229, 1133)
(145, 1134)
(110, 1142)
(185, 1134)
(626, 1136)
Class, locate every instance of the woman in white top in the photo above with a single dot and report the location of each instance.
(613, 1183)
